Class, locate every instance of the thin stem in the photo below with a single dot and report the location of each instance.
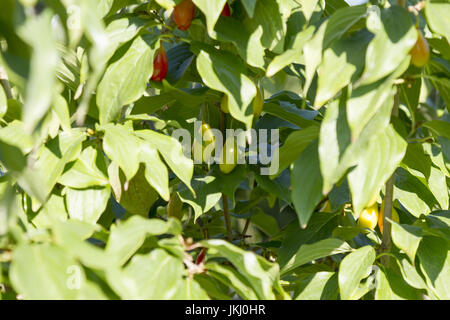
(226, 214)
(5, 83)
(386, 243)
(244, 231)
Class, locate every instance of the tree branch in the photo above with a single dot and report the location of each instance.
(386, 243)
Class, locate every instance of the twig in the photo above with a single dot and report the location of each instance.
(244, 231)
(388, 201)
(226, 214)
(5, 83)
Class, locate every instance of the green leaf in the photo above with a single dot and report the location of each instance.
(126, 238)
(137, 196)
(439, 127)
(306, 183)
(168, 4)
(72, 235)
(268, 18)
(365, 101)
(289, 113)
(180, 58)
(84, 173)
(294, 237)
(413, 194)
(274, 187)
(355, 267)
(436, 13)
(122, 147)
(261, 274)
(337, 151)
(231, 181)
(14, 134)
(40, 179)
(332, 29)
(410, 274)
(249, 6)
(55, 207)
(406, 238)
(391, 286)
(341, 21)
(224, 72)
(309, 252)
(395, 35)
(438, 186)
(125, 80)
(207, 194)
(291, 55)
(190, 289)
(342, 62)
(307, 7)
(333, 142)
(211, 10)
(232, 278)
(87, 204)
(172, 152)
(246, 42)
(319, 286)
(52, 269)
(375, 165)
(38, 32)
(155, 170)
(155, 276)
(434, 256)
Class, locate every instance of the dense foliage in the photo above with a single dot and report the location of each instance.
(99, 199)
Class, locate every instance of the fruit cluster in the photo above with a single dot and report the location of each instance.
(183, 14)
(370, 217)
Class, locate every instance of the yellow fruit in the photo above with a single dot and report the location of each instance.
(229, 156)
(258, 103)
(224, 104)
(207, 143)
(369, 217)
(420, 53)
(395, 217)
(175, 206)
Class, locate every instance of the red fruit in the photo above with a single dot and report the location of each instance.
(201, 256)
(183, 13)
(226, 12)
(160, 65)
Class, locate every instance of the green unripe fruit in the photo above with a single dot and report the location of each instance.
(229, 156)
(208, 140)
(258, 103)
(224, 104)
(175, 206)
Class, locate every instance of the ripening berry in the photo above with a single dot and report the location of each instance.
(226, 12)
(420, 53)
(183, 13)
(369, 217)
(160, 65)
